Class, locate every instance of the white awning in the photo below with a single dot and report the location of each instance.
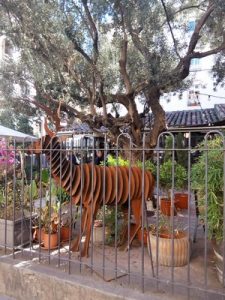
(18, 136)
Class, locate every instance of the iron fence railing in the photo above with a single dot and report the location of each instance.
(154, 220)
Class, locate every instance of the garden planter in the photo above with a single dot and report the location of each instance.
(165, 207)
(37, 234)
(181, 200)
(18, 232)
(50, 240)
(65, 233)
(145, 236)
(165, 249)
(98, 232)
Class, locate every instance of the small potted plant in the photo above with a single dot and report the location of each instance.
(107, 215)
(163, 237)
(165, 181)
(49, 221)
(67, 220)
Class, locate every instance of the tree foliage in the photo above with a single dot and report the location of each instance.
(19, 122)
(99, 54)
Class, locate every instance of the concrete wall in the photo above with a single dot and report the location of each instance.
(25, 280)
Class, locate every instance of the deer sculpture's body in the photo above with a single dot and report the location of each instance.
(92, 186)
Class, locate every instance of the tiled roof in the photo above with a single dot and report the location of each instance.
(184, 118)
(197, 117)
(84, 128)
(193, 118)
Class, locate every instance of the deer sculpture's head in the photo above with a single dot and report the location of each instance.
(45, 141)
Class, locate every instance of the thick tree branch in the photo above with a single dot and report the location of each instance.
(103, 100)
(123, 55)
(93, 31)
(196, 34)
(209, 52)
(123, 70)
(188, 7)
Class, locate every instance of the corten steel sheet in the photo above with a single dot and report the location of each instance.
(88, 183)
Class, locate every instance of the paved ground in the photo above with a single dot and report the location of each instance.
(135, 265)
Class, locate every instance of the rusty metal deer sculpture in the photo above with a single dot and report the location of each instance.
(92, 186)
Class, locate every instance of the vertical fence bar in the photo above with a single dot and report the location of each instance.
(91, 196)
(157, 212)
(173, 209)
(59, 209)
(189, 214)
(206, 220)
(129, 211)
(103, 207)
(40, 235)
(49, 207)
(71, 204)
(6, 190)
(81, 201)
(116, 208)
(31, 153)
(14, 194)
(22, 217)
(128, 137)
(143, 214)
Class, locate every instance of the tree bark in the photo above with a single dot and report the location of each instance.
(159, 123)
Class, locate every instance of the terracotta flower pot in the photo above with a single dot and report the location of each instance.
(50, 241)
(65, 233)
(37, 234)
(180, 257)
(181, 200)
(145, 236)
(165, 207)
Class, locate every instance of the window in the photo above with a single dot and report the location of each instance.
(195, 62)
(191, 26)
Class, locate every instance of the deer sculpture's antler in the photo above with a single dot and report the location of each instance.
(55, 118)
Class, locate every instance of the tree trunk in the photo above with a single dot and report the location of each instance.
(159, 116)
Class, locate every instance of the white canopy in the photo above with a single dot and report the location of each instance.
(18, 136)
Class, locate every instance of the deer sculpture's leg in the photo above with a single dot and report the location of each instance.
(91, 215)
(136, 209)
(75, 245)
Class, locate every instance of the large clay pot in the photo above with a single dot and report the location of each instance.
(181, 200)
(166, 207)
(180, 257)
(50, 241)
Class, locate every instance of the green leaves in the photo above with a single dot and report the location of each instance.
(166, 174)
(207, 176)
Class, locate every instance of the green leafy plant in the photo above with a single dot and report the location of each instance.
(113, 161)
(49, 218)
(210, 176)
(181, 153)
(149, 165)
(166, 174)
(165, 226)
(13, 202)
(109, 215)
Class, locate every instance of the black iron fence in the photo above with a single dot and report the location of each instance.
(150, 220)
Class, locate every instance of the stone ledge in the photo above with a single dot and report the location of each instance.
(25, 280)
